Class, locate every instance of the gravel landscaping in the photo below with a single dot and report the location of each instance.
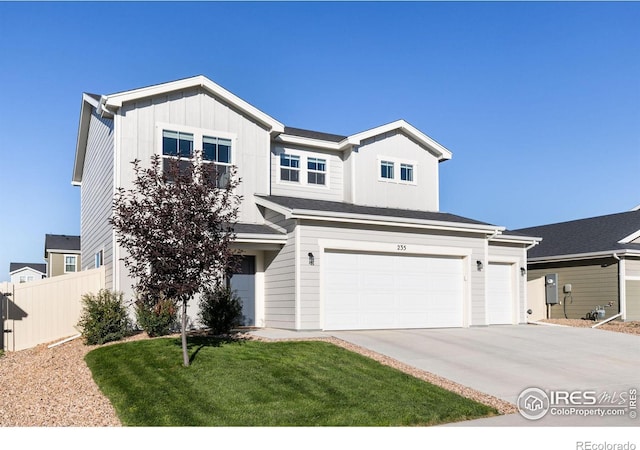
(49, 387)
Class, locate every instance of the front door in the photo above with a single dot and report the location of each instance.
(243, 282)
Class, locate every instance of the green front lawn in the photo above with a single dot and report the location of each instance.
(251, 383)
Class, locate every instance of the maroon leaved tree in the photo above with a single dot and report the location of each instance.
(176, 225)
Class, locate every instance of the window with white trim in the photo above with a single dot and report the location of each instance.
(216, 148)
(289, 167)
(406, 172)
(316, 171)
(70, 262)
(386, 170)
(395, 170)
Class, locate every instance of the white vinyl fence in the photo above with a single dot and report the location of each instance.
(46, 310)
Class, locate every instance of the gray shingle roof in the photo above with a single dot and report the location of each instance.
(314, 134)
(61, 242)
(251, 228)
(595, 234)
(348, 208)
(36, 266)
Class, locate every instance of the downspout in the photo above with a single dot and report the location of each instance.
(622, 294)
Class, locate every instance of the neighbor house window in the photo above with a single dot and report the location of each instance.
(316, 171)
(23, 279)
(386, 169)
(70, 263)
(289, 167)
(98, 259)
(177, 145)
(406, 172)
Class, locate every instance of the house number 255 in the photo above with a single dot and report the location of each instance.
(401, 247)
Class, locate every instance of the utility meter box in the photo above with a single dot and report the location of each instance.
(551, 288)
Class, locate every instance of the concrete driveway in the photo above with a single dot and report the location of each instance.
(505, 360)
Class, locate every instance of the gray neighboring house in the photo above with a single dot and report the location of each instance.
(62, 253)
(25, 272)
(337, 231)
(598, 256)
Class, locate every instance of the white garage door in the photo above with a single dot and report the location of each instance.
(499, 294)
(381, 291)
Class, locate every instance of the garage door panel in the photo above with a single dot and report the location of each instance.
(392, 291)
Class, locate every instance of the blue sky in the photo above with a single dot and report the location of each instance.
(539, 102)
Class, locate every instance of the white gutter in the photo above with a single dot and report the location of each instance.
(578, 256)
(608, 320)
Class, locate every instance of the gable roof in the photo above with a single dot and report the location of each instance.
(38, 267)
(594, 236)
(337, 142)
(62, 243)
(108, 105)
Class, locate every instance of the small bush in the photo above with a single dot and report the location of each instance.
(104, 318)
(157, 319)
(220, 310)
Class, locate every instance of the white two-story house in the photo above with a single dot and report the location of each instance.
(337, 232)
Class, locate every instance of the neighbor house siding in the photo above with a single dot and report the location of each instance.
(332, 191)
(370, 191)
(310, 283)
(96, 194)
(591, 285)
(55, 263)
(632, 289)
(633, 299)
(195, 108)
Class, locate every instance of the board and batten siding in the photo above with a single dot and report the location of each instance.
(369, 190)
(591, 285)
(280, 277)
(332, 191)
(195, 108)
(310, 282)
(96, 195)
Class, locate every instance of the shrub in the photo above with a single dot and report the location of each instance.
(104, 318)
(220, 310)
(157, 319)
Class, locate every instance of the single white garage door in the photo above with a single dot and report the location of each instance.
(499, 294)
(382, 291)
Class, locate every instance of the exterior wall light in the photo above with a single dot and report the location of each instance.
(479, 265)
(311, 258)
(523, 271)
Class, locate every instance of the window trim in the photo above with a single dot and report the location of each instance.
(304, 168)
(75, 264)
(397, 170)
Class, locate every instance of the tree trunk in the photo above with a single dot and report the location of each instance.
(185, 354)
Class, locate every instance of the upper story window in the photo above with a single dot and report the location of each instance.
(289, 167)
(396, 170)
(98, 260)
(216, 149)
(316, 171)
(406, 172)
(386, 170)
(70, 262)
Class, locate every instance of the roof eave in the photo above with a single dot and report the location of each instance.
(115, 101)
(583, 256)
(86, 108)
(332, 216)
(437, 149)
